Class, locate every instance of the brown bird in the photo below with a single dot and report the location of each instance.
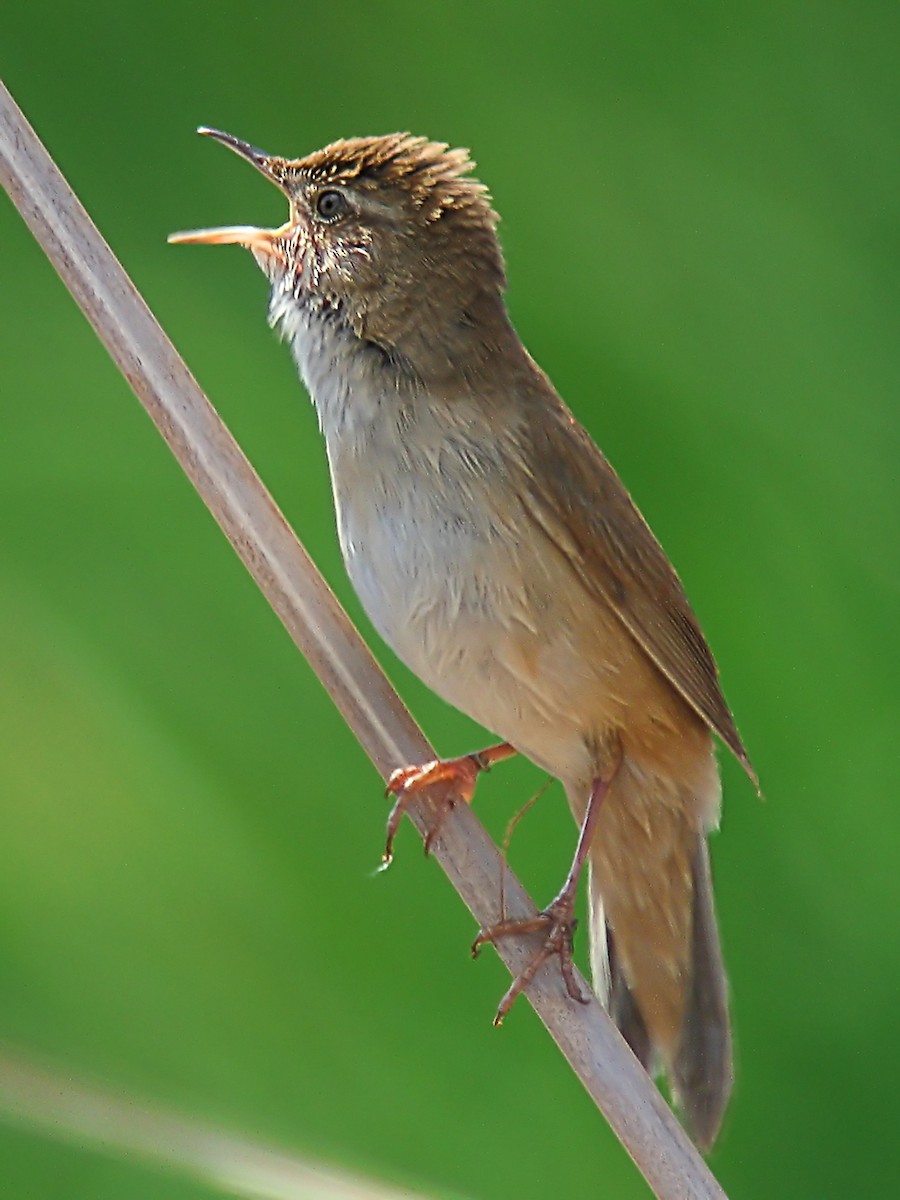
(498, 554)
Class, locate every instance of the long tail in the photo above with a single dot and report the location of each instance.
(655, 951)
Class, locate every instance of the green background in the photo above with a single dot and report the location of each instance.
(699, 210)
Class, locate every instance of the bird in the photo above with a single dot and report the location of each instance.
(497, 552)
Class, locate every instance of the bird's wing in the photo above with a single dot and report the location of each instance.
(582, 506)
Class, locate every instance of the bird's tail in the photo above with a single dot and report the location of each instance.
(655, 951)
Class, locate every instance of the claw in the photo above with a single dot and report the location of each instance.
(460, 773)
(559, 923)
(405, 782)
(557, 919)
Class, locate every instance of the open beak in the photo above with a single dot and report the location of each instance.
(267, 163)
(228, 235)
(264, 243)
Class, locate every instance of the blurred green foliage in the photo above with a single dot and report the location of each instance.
(700, 222)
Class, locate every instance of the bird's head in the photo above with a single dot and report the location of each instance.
(392, 233)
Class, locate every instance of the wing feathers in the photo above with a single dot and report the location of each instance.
(581, 505)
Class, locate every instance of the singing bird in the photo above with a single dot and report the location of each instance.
(499, 555)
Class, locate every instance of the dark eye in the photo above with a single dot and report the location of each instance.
(330, 205)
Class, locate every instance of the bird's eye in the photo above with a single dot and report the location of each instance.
(330, 205)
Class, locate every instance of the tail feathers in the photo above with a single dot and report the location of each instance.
(702, 1073)
(674, 1018)
(624, 1011)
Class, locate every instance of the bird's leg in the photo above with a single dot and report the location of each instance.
(557, 920)
(461, 773)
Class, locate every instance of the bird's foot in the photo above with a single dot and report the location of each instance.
(558, 923)
(461, 774)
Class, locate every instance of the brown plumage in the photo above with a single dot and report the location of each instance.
(433, 177)
(498, 553)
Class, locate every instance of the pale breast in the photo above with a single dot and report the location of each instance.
(478, 605)
(484, 613)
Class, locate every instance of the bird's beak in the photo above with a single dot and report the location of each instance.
(264, 243)
(266, 163)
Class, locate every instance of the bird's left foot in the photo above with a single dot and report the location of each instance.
(461, 774)
(558, 923)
